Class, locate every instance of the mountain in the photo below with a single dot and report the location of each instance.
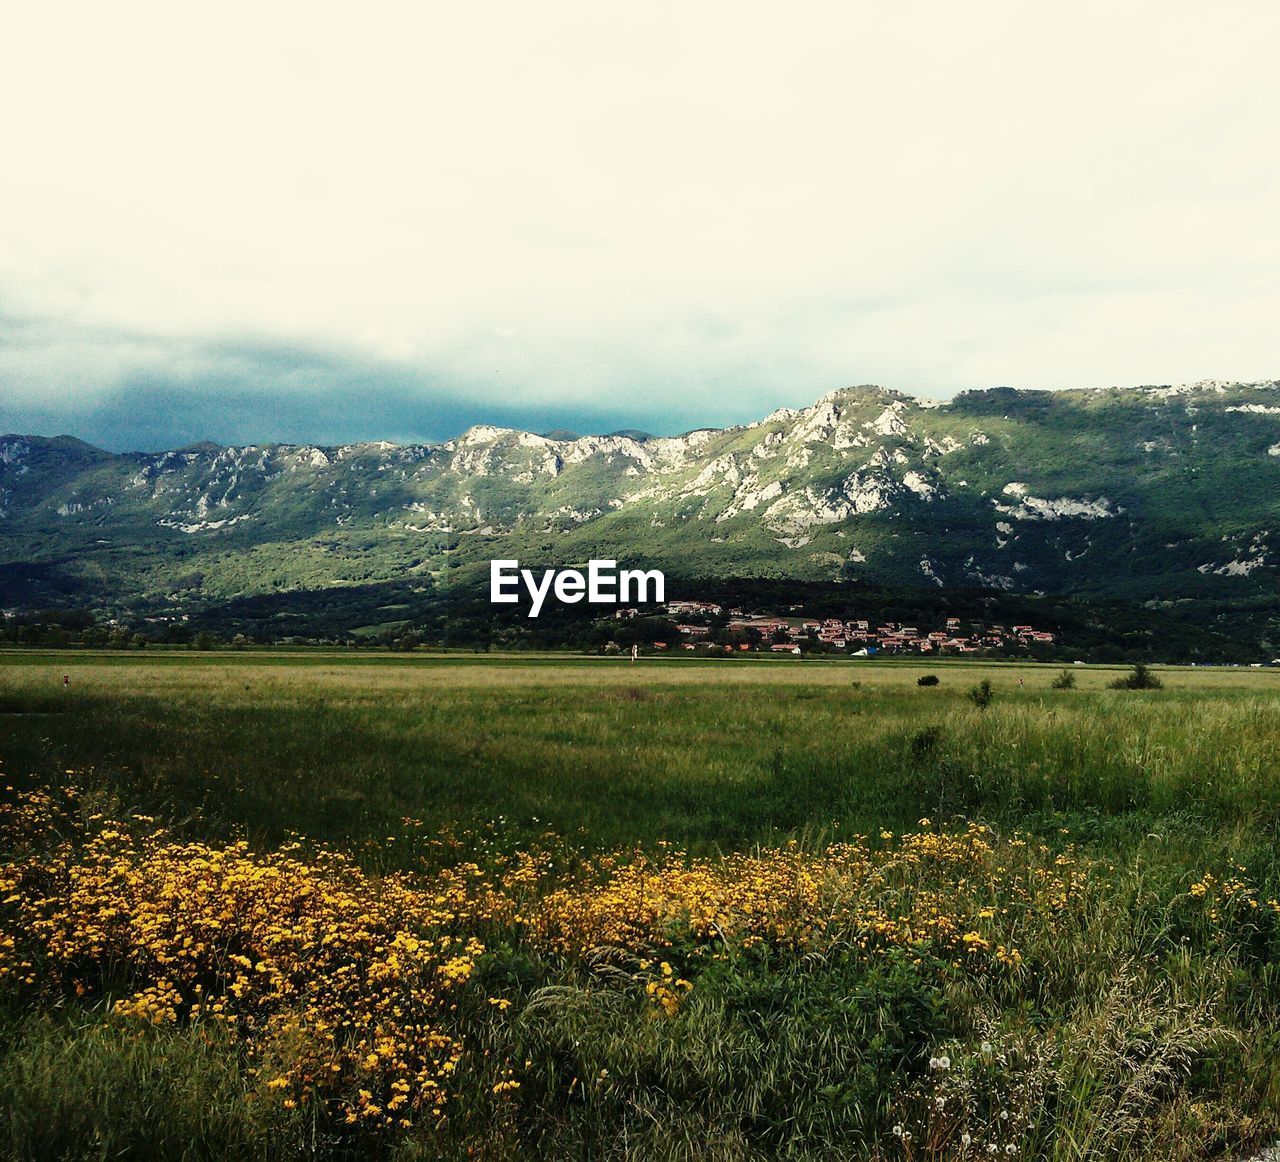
(1139, 493)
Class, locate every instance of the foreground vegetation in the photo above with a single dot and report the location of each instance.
(434, 908)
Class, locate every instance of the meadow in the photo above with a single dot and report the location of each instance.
(344, 905)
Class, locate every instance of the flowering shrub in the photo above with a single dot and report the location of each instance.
(365, 998)
(794, 899)
(339, 984)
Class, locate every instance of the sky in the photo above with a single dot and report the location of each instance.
(326, 223)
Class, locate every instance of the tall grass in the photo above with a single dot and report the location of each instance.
(1140, 1022)
(704, 755)
(94, 1088)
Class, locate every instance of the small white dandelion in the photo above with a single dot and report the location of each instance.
(897, 1130)
(966, 1138)
(988, 1048)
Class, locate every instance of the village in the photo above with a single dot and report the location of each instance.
(709, 626)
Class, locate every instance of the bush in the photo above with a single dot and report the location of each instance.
(1140, 678)
(982, 695)
(927, 680)
(1066, 680)
(925, 741)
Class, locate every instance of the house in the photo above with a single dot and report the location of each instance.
(703, 607)
(765, 625)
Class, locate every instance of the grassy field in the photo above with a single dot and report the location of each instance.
(708, 754)
(680, 908)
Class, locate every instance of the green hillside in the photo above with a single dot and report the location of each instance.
(1169, 493)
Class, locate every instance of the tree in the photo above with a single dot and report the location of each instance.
(982, 695)
(1139, 678)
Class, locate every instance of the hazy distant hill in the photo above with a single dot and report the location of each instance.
(1151, 492)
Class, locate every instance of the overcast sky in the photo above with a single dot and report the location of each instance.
(332, 222)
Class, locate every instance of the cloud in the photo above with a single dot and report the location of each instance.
(167, 393)
(659, 217)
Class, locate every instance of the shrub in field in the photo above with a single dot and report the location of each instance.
(1065, 680)
(927, 680)
(1139, 678)
(924, 742)
(982, 694)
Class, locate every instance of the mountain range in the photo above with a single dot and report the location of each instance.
(1145, 493)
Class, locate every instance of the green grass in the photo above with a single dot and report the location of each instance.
(1140, 1029)
(105, 1090)
(707, 753)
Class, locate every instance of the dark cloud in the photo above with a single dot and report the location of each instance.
(251, 391)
